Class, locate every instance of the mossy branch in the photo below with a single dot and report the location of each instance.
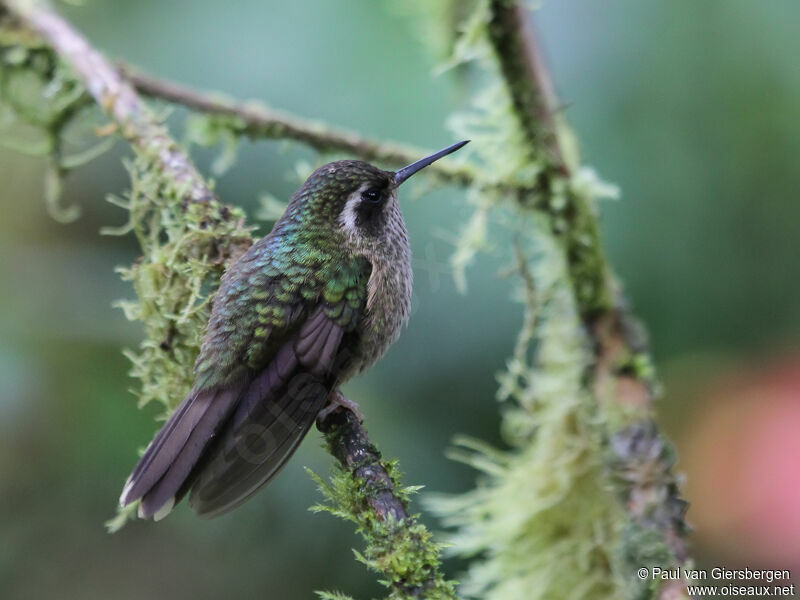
(367, 492)
(622, 376)
(115, 96)
(258, 121)
(528, 79)
(613, 375)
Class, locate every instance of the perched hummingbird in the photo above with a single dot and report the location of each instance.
(318, 300)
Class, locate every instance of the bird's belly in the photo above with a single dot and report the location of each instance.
(387, 310)
(374, 341)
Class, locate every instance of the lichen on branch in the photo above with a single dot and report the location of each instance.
(186, 235)
(42, 107)
(366, 490)
(585, 494)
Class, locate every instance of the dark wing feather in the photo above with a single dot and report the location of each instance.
(272, 419)
(271, 379)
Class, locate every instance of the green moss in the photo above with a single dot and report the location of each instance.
(333, 596)
(542, 519)
(548, 518)
(185, 244)
(45, 103)
(403, 553)
(185, 249)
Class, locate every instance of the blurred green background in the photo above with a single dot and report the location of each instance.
(693, 108)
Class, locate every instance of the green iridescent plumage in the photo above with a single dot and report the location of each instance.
(305, 308)
(264, 299)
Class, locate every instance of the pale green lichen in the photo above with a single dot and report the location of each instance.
(517, 166)
(541, 523)
(43, 114)
(547, 519)
(213, 130)
(333, 596)
(186, 246)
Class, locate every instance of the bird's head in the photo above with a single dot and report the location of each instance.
(354, 197)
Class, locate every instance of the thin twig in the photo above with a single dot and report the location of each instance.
(114, 95)
(350, 445)
(381, 510)
(255, 120)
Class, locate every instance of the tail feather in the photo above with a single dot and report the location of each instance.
(145, 474)
(246, 458)
(183, 458)
(224, 444)
(272, 419)
(179, 442)
(266, 384)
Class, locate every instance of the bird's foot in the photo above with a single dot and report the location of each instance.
(337, 401)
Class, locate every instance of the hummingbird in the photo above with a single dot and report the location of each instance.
(313, 303)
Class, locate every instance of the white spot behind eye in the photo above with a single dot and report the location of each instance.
(348, 217)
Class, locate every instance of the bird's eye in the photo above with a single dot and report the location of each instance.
(372, 196)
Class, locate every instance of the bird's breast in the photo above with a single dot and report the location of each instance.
(387, 308)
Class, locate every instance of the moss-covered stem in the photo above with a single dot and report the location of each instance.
(376, 502)
(258, 121)
(115, 96)
(348, 442)
(621, 378)
(530, 85)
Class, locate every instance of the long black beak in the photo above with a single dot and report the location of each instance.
(406, 172)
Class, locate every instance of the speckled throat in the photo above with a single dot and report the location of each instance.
(388, 290)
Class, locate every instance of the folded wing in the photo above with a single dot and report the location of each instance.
(266, 370)
(270, 421)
